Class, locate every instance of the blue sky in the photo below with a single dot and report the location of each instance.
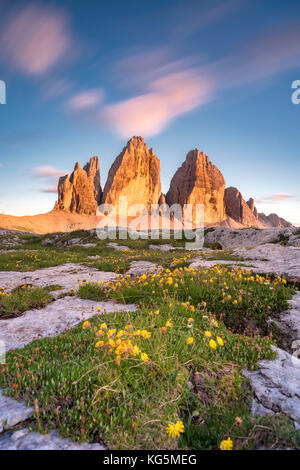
(82, 77)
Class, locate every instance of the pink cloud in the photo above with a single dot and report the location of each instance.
(35, 39)
(46, 172)
(85, 100)
(55, 87)
(268, 54)
(166, 89)
(50, 189)
(166, 98)
(273, 198)
(50, 175)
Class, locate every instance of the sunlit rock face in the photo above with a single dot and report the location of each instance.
(81, 191)
(198, 181)
(135, 174)
(239, 210)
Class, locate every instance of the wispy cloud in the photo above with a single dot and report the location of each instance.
(274, 198)
(166, 98)
(269, 54)
(139, 66)
(35, 38)
(49, 189)
(189, 17)
(170, 88)
(46, 171)
(85, 100)
(55, 87)
(49, 175)
(20, 137)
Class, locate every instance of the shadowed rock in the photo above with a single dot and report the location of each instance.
(243, 212)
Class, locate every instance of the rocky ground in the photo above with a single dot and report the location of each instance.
(276, 384)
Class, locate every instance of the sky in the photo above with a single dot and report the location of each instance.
(82, 77)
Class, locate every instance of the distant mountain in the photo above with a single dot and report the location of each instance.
(135, 174)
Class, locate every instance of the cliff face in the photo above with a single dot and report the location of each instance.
(198, 181)
(135, 174)
(246, 213)
(81, 191)
(243, 212)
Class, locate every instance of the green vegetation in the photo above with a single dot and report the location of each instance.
(24, 298)
(123, 378)
(222, 255)
(242, 300)
(86, 394)
(31, 254)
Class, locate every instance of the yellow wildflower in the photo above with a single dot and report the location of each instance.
(190, 340)
(220, 341)
(145, 334)
(111, 332)
(174, 430)
(136, 351)
(213, 344)
(208, 333)
(85, 325)
(226, 444)
(100, 333)
(145, 357)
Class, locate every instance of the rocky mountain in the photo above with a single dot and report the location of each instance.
(246, 213)
(81, 191)
(135, 174)
(273, 220)
(243, 212)
(198, 181)
(252, 207)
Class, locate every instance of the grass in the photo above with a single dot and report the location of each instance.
(24, 298)
(126, 394)
(222, 255)
(242, 300)
(31, 255)
(110, 395)
(84, 392)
